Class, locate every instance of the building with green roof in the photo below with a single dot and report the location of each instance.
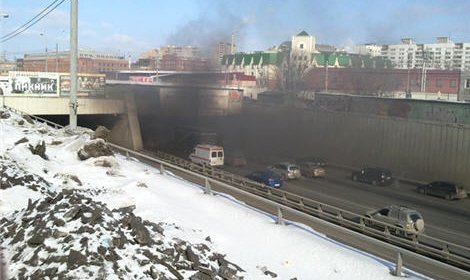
(286, 66)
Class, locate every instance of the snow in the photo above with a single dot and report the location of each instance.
(250, 238)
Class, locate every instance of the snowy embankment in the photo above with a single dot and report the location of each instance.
(109, 217)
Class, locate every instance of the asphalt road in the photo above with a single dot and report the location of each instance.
(446, 220)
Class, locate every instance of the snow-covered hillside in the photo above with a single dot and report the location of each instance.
(110, 217)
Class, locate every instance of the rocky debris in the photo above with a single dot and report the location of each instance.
(43, 130)
(106, 162)
(22, 140)
(4, 114)
(142, 185)
(27, 118)
(12, 175)
(70, 229)
(39, 149)
(265, 270)
(66, 178)
(102, 133)
(94, 148)
(56, 142)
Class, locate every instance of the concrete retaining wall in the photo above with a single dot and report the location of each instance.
(417, 149)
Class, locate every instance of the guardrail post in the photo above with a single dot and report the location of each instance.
(339, 215)
(280, 220)
(208, 189)
(445, 251)
(399, 265)
(162, 169)
(284, 197)
(414, 238)
(301, 202)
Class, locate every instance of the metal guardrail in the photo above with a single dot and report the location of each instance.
(451, 259)
(442, 250)
(443, 258)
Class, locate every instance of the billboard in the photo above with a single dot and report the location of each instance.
(51, 84)
(88, 84)
(33, 83)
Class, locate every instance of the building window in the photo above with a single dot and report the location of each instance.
(301, 46)
(452, 83)
(438, 83)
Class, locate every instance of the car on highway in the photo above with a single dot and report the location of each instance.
(316, 160)
(311, 170)
(373, 175)
(447, 190)
(287, 170)
(407, 220)
(266, 177)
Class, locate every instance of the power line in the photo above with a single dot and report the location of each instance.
(17, 29)
(31, 22)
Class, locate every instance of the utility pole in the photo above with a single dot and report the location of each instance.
(73, 64)
(45, 49)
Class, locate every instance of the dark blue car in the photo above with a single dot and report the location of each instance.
(266, 177)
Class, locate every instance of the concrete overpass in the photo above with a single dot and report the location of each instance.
(120, 97)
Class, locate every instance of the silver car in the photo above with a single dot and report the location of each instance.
(402, 217)
(311, 169)
(287, 170)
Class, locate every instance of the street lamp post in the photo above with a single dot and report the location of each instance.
(2, 16)
(327, 61)
(408, 92)
(45, 47)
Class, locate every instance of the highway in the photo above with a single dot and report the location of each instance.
(446, 220)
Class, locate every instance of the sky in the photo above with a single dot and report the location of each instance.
(130, 27)
(248, 237)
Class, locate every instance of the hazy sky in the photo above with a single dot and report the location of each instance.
(125, 26)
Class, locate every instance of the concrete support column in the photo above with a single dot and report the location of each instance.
(133, 120)
(126, 132)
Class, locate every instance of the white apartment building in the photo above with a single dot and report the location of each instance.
(368, 49)
(443, 54)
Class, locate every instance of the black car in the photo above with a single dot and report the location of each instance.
(374, 176)
(447, 190)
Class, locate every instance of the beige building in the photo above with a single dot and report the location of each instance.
(302, 47)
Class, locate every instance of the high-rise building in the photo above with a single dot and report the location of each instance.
(222, 49)
(443, 54)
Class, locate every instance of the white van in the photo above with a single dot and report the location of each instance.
(208, 154)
